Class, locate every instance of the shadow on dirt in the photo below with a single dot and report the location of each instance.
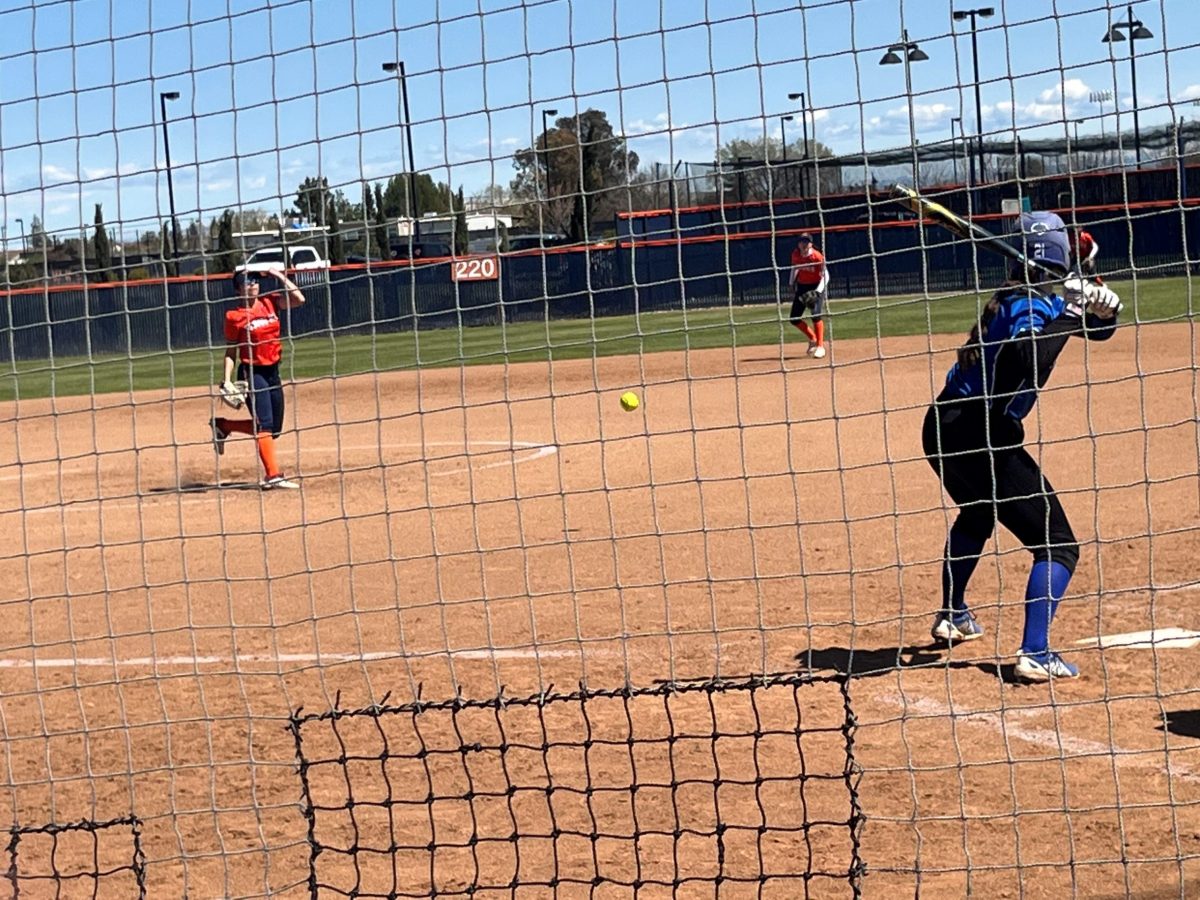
(1184, 722)
(202, 487)
(872, 663)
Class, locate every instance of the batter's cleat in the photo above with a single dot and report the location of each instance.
(819, 352)
(1035, 668)
(279, 482)
(955, 627)
(218, 436)
(812, 349)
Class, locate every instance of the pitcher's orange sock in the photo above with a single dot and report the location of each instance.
(236, 426)
(808, 332)
(820, 332)
(266, 452)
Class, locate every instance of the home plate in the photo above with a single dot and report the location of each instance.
(1162, 638)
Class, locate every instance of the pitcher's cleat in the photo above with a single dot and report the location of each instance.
(278, 481)
(218, 436)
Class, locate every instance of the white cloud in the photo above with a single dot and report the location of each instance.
(1071, 88)
(52, 174)
(255, 183)
(657, 125)
(1191, 92)
(923, 113)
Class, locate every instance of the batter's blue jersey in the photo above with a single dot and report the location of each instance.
(1009, 382)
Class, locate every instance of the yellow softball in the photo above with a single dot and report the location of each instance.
(629, 401)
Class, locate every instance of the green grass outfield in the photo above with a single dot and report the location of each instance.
(353, 353)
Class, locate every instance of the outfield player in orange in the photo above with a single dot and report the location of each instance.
(252, 333)
(809, 280)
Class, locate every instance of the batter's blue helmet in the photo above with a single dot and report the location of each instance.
(1042, 237)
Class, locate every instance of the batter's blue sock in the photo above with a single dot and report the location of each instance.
(1047, 584)
(962, 555)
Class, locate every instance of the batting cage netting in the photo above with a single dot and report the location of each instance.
(524, 448)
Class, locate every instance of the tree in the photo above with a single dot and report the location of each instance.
(312, 199)
(193, 236)
(227, 255)
(755, 169)
(582, 166)
(102, 247)
(164, 242)
(337, 246)
(462, 239)
(381, 226)
(432, 196)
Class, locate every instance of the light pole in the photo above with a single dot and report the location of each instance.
(21, 222)
(799, 95)
(953, 149)
(1075, 146)
(959, 15)
(163, 97)
(912, 54)
(1100, 97)
(546, 113)
(783, 120)
(1137, 32)
(413, 209)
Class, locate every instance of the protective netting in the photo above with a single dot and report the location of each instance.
(77, 859)
(503, 215)
(743, 785)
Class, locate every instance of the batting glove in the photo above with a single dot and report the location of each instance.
(1082, 295)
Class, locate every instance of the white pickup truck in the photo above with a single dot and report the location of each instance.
(302, 260)
(299, 257)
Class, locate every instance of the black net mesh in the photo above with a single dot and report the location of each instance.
(689, 788)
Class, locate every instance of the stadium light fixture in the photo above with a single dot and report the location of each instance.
(912, 53)
(804, 113)
(1137, 32)
(413, 208)
(163, 97)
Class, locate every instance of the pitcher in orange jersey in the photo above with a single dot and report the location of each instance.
(809, 280)
(254, 349)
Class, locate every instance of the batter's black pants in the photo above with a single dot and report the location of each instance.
(996, 483)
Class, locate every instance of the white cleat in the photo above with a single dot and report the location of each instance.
(279, 482)
(817, 352)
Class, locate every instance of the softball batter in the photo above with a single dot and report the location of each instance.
(252, 333)
(973, 437)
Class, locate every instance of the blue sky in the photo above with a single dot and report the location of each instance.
(274, 90)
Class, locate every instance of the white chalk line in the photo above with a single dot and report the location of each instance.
(236, 661)
(1065, 744)
(523, 452)
(1173, 638)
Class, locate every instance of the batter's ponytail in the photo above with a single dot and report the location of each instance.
(970, 352)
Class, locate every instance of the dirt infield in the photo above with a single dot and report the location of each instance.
(512, 527)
